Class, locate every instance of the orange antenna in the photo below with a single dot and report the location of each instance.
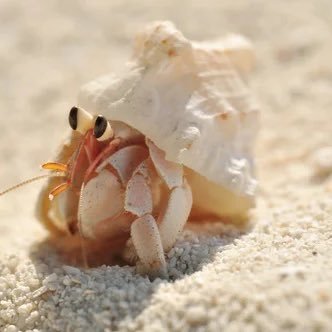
(36, 178)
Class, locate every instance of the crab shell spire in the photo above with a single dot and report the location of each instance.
(191, 100)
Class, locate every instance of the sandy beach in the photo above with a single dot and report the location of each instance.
(275, 275)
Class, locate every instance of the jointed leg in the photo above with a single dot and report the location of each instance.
(172, 221)
(147, 242)
(144, 230)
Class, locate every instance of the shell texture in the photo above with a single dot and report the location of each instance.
(191, 99)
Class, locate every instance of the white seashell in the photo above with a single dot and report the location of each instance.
(191, 100)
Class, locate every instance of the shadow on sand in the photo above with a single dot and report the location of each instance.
(76, 298)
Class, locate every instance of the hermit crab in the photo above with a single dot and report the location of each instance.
(168, 140)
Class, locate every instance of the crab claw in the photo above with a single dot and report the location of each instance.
(106, 190)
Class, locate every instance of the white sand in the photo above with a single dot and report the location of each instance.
(278, 276)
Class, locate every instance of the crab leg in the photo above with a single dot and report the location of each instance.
(147, 242)
(144, 230)
(170, 172)
(172, 220)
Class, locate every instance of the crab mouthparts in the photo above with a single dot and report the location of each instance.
(54, 166)
(58, 167)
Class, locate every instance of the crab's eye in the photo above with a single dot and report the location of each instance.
(80, 120)
(102, 129)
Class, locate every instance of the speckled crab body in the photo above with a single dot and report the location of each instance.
(184, 124)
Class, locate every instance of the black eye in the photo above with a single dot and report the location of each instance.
(80, 120)
(100, 126)
(73, 117)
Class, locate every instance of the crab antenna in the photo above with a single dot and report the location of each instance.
(36, 178)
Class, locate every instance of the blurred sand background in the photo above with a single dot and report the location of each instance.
(276, 277)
